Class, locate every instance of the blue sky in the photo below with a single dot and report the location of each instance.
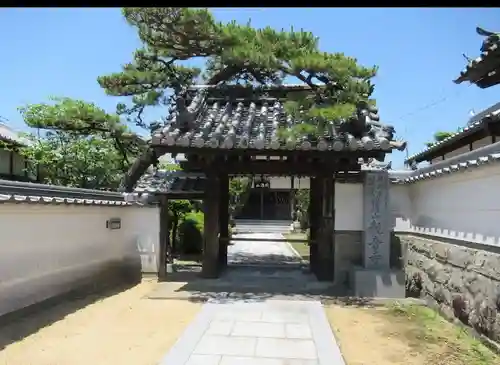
(60, 52)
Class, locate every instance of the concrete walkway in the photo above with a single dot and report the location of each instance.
(258, 331)
(266, 253)
(273, 332)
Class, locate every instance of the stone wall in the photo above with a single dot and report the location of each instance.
(463, 279)
(349, 253)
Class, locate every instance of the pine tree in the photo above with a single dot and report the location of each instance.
(233, 53)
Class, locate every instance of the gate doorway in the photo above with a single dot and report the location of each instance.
(267, 204)
(236, 130)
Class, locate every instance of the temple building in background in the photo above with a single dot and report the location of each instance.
(483, 128)
(13, 166)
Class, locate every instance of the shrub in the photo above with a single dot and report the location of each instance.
(302, 201)
(191, 233)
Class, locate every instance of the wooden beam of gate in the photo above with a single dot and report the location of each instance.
(257, 167)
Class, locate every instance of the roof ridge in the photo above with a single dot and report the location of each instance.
(255, 87)
(467, 129)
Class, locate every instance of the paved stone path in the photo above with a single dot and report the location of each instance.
(272, 332)
(258, 330)
(254, 252)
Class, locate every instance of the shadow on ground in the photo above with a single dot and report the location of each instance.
(17, 325)
(255, 283)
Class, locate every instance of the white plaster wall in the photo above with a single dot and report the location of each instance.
(348, 207)
(436, 160)
(461, 205)
(457, 152)
(142, 231)
(481, 143)
(286, 183)
(46, 249)
(400, 206)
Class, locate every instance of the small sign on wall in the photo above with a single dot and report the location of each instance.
(114, 223)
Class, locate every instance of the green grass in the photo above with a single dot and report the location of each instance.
(301, 247)
(443, 342)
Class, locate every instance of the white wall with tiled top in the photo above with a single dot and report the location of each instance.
(462, 205)
(46, 249)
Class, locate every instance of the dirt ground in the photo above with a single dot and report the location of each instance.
(410, 335)
(124, 328)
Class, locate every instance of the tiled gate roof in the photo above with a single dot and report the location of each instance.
(171, 182)
(255, 123)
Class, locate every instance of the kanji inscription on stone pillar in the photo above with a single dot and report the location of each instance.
(376, 217)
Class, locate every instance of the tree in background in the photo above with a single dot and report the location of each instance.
(302, 206)
(82, 145)
(177, 210)
(78, 144)
(233, 53)
(438, 137)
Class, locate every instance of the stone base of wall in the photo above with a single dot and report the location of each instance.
(377, 283)
(348, 254)
(26, 297)
(463, 281)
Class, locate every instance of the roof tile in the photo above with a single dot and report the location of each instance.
(486, 62)
(256, 124)
(173, 182)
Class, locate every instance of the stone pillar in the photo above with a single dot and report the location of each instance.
(210, 265)
(223, 220)
(376, 278)
(376, 215)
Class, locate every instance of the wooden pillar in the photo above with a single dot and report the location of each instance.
(210, 265)
(223, 220)
(261, 203)
(164, 239)
(11, 163)
(314, 220)
(325, 261)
